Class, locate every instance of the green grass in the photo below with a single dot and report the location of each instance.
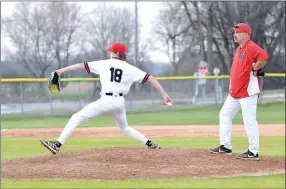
(274, 181)
(30, 146)
(273, 113)
(14, 147)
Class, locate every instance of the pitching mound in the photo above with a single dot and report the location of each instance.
(133, 162)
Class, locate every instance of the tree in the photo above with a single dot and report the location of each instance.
(263, 18)
(107, 24)
(43, 35)
(173, 31)
(65, 25)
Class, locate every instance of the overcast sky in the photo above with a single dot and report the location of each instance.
(147, 13)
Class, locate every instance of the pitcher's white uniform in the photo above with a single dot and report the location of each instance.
(116, 78)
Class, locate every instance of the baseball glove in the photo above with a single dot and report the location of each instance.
(261, 73)
(54, 82)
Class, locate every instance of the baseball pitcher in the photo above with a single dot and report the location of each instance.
(116, 77)
(248, 61)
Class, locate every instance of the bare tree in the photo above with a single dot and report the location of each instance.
(42, 35)
(107, 24)
(173, 31)
(262, 16)
(65, 23)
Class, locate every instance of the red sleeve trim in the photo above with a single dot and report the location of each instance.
(145, 78)
(86, 67)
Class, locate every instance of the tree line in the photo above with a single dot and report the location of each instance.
(50, 35)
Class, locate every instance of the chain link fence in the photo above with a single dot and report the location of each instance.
(34, 98)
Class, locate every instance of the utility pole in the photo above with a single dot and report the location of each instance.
(136, 34)
(209, 33)
(201, 34)
(136, 41)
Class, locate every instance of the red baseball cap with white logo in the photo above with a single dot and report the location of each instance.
(242, 27)
(117, 47)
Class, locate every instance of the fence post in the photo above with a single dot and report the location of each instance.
(261, 93)
(216, 91)
(51, 103)
(79, 97)
(222, 89)
(21, 96)
(216, 72)
(152, 96)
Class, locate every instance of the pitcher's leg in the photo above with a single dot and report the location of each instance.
(90, 111)
(86, 113)
(121, 121)
(228, 111)
(249, 107)
(120, 117)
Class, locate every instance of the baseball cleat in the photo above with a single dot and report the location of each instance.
(221, 149)
(153, 145)
(248, 156)
(50, 145)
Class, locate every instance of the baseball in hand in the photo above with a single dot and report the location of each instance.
(169, 104)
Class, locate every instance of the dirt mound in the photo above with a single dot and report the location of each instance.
(122, 163)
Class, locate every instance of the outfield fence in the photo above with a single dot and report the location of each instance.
(31, 96)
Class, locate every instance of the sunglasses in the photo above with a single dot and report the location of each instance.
(236, 26)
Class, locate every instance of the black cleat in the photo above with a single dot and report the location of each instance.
(50, 145)
(152, 145)
(248, 156)
(221, 149)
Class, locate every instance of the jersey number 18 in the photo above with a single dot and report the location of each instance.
(116, 74)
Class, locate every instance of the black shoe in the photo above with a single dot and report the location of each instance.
(50, 145)
(248, 155)
(152, 145)
(221, 149)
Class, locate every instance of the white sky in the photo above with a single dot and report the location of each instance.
(147, 12)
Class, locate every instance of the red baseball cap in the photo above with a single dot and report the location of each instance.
(117, 47)
(242, 27)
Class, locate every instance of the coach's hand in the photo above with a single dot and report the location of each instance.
(259, 72)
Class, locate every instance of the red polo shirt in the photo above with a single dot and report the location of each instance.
(242, 81)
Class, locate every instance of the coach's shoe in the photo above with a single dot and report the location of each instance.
(152, 145)
(248, 156)
(51, 145)
(221, 149)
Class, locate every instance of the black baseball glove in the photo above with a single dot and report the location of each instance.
(261, 73)
(54, 82)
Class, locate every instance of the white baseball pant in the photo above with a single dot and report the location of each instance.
(106, 105)
(248, 106)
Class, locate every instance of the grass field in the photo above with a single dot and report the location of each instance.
(274, 181)
(15, 147)
(266, 114)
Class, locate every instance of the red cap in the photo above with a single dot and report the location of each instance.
(117, 47)
(242, 27)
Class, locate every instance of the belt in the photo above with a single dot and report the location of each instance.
(111, 94)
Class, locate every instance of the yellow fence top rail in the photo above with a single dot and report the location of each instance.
(16, 80)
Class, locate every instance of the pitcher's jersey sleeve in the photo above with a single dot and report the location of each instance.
(94, 66)
(139, 75)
